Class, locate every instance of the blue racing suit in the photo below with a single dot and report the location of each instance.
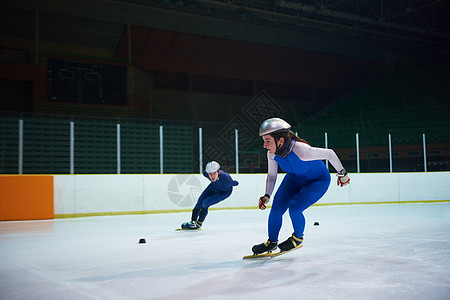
(306, 181)
(213, 194)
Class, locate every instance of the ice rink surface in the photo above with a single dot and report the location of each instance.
(392, 251)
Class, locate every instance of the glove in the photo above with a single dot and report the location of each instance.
(342, 178)
(263, 201)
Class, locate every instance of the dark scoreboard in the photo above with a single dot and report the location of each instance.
(85, 82)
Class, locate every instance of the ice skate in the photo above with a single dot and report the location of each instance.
(192, 225)
(291, 243)
(264, 247)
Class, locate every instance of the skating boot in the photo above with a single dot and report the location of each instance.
(193, 225)
(291, 243)
(264, 247)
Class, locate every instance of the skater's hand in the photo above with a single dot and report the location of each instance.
(263, 201)
(343, 178)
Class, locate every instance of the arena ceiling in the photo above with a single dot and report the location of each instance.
(284, 43)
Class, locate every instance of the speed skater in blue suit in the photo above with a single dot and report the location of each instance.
(219, 189)
(306, 181)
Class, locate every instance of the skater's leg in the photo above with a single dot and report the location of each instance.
(277, 211)
(215, 198)
(209, 201)
(198, 206)
(195, 212)
(288, 188)
(308, 195)
(202, 216)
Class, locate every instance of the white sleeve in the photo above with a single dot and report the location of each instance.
(306, 152)
(272, 171)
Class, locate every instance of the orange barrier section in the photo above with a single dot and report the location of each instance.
(26, 197)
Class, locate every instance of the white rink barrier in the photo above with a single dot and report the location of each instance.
(90, 195)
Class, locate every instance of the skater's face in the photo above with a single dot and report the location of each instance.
(269, 143)
(214, 176)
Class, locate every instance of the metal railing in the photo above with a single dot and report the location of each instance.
(55, 145)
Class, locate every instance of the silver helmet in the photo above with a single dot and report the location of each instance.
(273, 125)
(212, 167)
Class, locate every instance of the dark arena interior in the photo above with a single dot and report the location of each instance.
(224, 149)
(377, 70)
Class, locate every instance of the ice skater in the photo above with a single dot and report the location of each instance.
(306, 181)
(218, 190)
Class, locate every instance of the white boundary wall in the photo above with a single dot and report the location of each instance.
(97, 194)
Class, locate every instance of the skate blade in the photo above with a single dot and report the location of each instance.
(272, 254)
(263, 255)
(187, 229)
